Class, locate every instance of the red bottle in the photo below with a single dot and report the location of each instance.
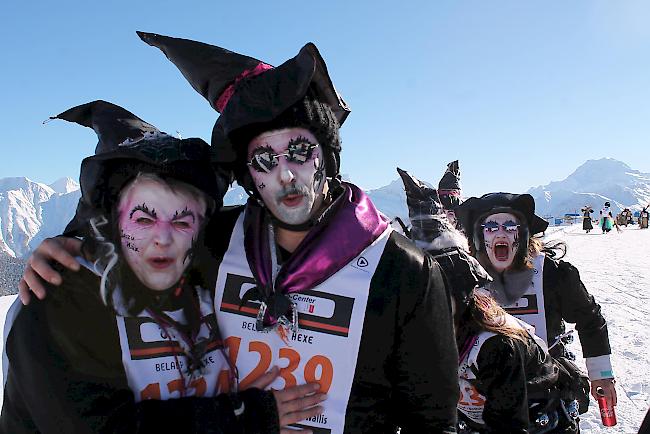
(607, 413)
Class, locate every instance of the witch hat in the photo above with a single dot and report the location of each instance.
(127, 146)
(449, 188)
(245, 90)
(425, 209)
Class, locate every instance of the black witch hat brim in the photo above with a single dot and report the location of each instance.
(256, 98)
(475, 207)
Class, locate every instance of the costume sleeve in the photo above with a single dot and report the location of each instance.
(579, 307)
(204, 415)
(502, 381)
(426, 357)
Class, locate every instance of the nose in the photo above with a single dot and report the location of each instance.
(286, 175)
(163, 235)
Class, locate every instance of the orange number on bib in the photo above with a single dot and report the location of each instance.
(286, 373)
(152, 391)
(474, 398)
(327, 372)
(262, 366)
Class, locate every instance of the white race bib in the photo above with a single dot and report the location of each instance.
(325, 347)
(153, 362)
(530, 307)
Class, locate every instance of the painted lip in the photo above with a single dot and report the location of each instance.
(292, 200)
(160, 262)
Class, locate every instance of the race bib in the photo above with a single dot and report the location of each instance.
(325, 347)
(155, 364)
(530, 307)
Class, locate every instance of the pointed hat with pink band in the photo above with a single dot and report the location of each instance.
(247, 91)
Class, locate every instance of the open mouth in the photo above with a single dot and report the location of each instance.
(292, 200)
(160, 262)
(501, 251)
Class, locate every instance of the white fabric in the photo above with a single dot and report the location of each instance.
(326, 345)
(12, 313)
(599, 367)
(150, 357)
(530, 307)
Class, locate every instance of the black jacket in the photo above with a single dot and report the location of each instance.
(567, 300)
(511, 376)
(406, 372)
(66, 375)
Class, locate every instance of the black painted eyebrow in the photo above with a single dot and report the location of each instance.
(510, 223)
(144, 209)
(186, 212)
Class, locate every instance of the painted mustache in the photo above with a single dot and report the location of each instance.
(293, 190)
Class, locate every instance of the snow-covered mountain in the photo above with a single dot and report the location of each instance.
(31, 211)
(593, 183)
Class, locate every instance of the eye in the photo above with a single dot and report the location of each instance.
(510, 226)
(264, 161)
(145, 221)
(490, 227)
(181, 224)
(300, 152)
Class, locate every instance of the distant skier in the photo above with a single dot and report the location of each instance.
(606, 219)
(586, 218)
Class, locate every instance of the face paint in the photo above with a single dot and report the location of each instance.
(501, 238)
(288, 164)
(158, 227)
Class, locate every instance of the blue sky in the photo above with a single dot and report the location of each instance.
(521, 93)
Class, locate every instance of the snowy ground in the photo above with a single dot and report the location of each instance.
(616, 269)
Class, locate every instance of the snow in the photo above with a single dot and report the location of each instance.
(615, 268)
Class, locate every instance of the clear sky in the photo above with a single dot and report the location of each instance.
(503, 86)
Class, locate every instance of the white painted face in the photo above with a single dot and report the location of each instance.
(158, 226)
(501, 238)
(289, 173)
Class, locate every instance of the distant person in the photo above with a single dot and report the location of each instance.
(449, 191)
(644, 216)
(587, 210)
(606, 219)
(532, 284)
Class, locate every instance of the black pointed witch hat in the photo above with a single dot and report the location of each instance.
(247, 91)
(449, 188)
(425, 209)
(127, 146)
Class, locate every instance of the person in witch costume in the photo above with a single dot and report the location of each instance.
(312, 272)
(587, 210)
(130, 343)
(449, 190)
(532, 284)
(508, 381)
(606, 218)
